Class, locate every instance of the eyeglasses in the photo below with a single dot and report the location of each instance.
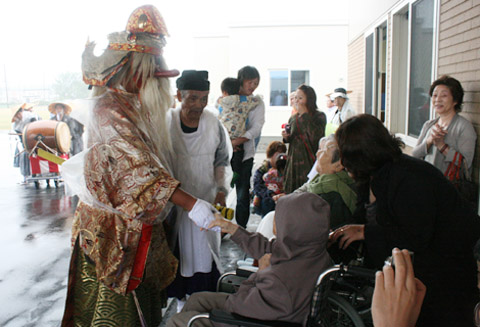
(477, 314)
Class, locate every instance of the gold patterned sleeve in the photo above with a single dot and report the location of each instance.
(126, 178)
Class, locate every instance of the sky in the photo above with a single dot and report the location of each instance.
(41, 39)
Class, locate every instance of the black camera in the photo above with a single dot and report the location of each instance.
(391, 262)
(281, 161)
(287, 128)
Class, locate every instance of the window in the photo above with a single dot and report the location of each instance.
(279, 88)
(283, 82)
(413, 60)
(375, 72)
(381, 70)
(299, 77)
(369, 75)
(421, 54)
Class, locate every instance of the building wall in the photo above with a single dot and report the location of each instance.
(459, 56)
(356, 73)
(364, 13)
(319, 48)
(212, 54)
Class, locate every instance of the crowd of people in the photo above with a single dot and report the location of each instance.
(146, 228)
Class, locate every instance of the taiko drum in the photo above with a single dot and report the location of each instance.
(54, 134)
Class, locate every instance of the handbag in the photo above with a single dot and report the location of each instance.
(457, 173)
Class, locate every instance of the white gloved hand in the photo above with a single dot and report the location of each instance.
(202, 214)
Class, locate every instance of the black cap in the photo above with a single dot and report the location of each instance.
(193, 80)
(340, 90)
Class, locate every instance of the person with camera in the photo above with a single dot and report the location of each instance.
(408, 203)
(304, 130)
(398, 295)
(263, 197)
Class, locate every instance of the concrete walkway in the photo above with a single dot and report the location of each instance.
(35, 246)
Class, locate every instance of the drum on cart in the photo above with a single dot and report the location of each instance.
(48, 135)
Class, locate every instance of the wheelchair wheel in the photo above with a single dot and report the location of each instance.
(337, 312)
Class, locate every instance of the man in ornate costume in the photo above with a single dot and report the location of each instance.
(202, 164)
(121, 262)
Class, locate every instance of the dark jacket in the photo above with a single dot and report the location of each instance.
(417, 208)
(76, 131)
(283, 291)
(259, 187)
(263, 200)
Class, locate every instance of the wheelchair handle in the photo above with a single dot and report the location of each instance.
(327, 272)
(353, 270)
(199, 316)
(360, 271)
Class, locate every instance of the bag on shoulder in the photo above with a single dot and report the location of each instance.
(457, 173)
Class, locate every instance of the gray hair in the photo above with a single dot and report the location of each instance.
(336, 151)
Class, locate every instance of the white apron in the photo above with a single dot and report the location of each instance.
(193, 166)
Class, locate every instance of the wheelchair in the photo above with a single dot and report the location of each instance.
(342, 297)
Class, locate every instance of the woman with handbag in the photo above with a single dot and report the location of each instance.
(449, 135)
(304, 130)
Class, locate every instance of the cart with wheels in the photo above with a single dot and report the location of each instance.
(43, 169)
(48, 143)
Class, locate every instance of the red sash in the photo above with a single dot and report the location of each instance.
(140, 258)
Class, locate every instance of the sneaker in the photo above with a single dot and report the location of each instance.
(180, 304)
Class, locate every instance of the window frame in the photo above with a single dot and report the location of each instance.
(373, 31)
(407, 139)
(289, 84)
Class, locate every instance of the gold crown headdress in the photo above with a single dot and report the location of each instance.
(145, 32)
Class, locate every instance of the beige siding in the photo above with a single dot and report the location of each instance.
(356, 73)
(459, 55)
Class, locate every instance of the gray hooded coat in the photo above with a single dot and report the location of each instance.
(299, 254)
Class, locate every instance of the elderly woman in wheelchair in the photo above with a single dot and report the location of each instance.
(280, 291)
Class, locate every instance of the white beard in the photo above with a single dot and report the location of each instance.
(156, 100)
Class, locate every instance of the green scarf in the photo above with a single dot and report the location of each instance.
(338, 182)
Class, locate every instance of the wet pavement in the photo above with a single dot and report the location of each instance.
(35, 246)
